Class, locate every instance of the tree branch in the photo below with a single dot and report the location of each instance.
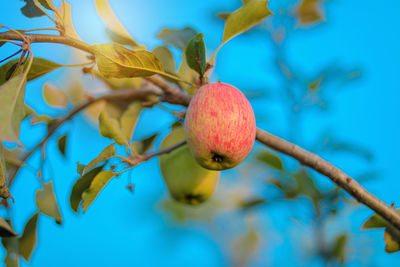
(174, 95)
(47, 38)
(311, 160)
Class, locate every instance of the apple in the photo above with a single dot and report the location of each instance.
(220, 126)
(187, 181)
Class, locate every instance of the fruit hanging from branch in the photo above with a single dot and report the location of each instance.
(220, 126)
(187, 181)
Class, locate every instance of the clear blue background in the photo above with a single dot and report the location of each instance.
(121, 229)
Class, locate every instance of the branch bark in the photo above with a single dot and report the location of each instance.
(174, 95)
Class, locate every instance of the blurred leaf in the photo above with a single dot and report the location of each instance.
(40, 67)
(338, 250)
(253, 202)
(4, 192)
(27, 241)
(81, 185)
(28, 111)
(48, 4)
(166, 58)
(196, 54)
(76, 92)
(351, 148)
(36, 118)
(177, 38)
(53, 96)
(116, 61)
(187, 74)
(12, 157)
(145, 144)
(271, 159)
(11, 245)
(309, 11)
(289, 190)
(129, 119)
(65, 19)
(246, 247)
(306, 185)
(375, 221)
(47, 203)
(80, 168)
(110, 128)
(119, 83)
(31, 9)
(12, 107)
(61, 143)
(244, 18)
(114, 28)
(97, 184)
(391, 236)
(107, 153)
(6, 229)
(223, 15)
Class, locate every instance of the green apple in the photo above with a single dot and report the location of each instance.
(187, 181)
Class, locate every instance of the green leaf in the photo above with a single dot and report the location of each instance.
(12, 247)
(116, 61)
(114, 28)
(40, 67)
(391, 236)
(166, 58)
(61, 143)
(245, 247)
(81, 185)
(80, 168)
(30, 9)
(107, 153)
(375, 221)
(6, 229)
(95, 187)
(65, 19)
(271, 159)
(4, 191)
(47, 203)
(196, 54)
(145, 144)
(48, 4)
(187, 74)
(12, 107)
(338, 250)
(244, 18)
(129, 119)
(177, 38)
(27, 241)
(109, 127)
(223, 15)
(306, 185)
(53, 96)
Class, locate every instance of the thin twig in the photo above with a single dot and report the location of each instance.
(138, 94)
(148, 156)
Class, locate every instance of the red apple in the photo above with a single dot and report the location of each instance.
(220, 126)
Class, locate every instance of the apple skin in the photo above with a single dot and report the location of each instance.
(220, 126)
(187, 181)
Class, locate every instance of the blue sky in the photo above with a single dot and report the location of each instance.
(122, 229)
